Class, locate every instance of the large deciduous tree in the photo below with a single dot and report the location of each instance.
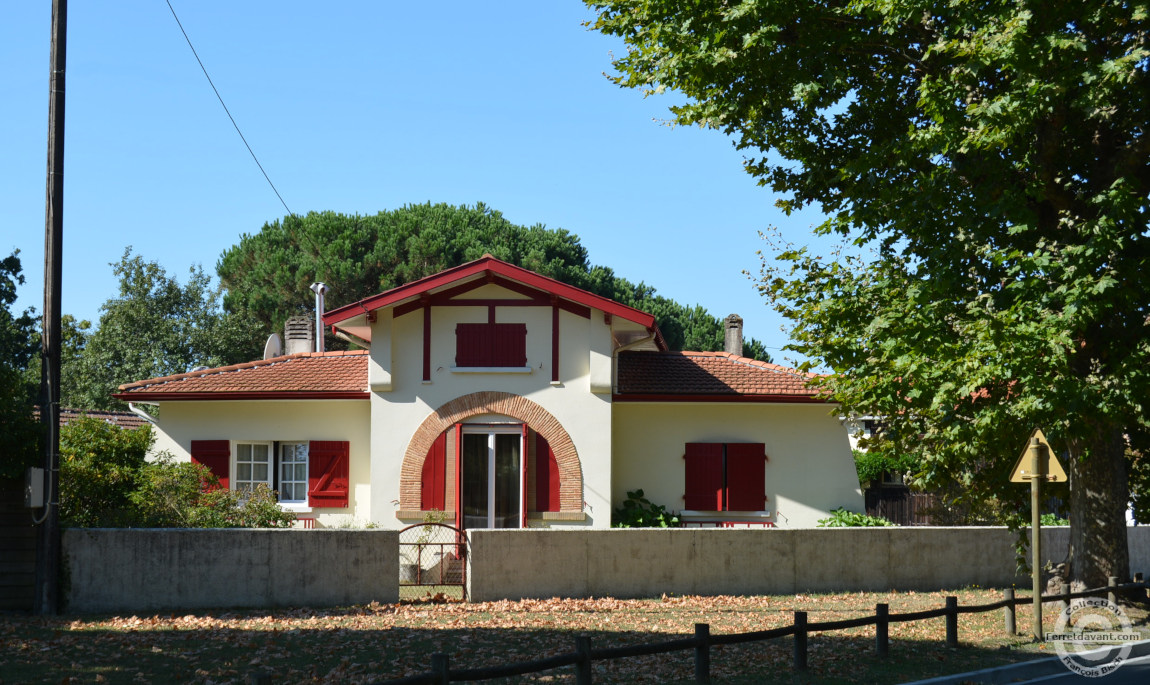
(155, 327)
(267, 274)
(19, 431)
(989, 161)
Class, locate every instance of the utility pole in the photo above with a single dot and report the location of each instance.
(46, 600)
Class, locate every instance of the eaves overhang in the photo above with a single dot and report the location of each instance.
(356, 318)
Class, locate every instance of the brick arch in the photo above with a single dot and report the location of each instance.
(490, 402)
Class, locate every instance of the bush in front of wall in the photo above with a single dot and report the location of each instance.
(841, 518)
(639, 512)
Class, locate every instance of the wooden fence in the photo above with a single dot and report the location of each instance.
(584, 654)
(17, 548)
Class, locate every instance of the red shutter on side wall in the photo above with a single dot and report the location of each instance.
(433, 488)
(214, 454)
(327, 473)
(704, 476)
(746, 476)
(546, 476)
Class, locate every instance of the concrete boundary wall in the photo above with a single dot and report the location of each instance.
(136, 570)
(533, 563)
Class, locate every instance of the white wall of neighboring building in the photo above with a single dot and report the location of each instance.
(284, 420)
(809, 470)
(397, 413)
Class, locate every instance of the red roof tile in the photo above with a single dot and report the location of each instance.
(311, 375)
(662, 376)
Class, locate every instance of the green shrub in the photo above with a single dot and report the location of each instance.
(639, 512)
(841, 518)
(99, 469)
(184, 495)
(1053, 520)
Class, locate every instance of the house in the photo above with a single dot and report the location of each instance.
(491, 396)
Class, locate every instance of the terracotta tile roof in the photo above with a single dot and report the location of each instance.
(688, 375)
(311, 375)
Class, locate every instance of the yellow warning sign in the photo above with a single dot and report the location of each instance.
(1048, 466)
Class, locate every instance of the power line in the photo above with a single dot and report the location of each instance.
(221, 99)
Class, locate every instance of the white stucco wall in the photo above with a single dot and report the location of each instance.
(809, 469)
(397, 413)
(285, 420)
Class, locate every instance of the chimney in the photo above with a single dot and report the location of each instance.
(733, 334)
(299, 335)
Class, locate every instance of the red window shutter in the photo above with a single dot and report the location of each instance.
(327, 466)
(546, 476)
(704, 477)
(509, 344)
(214, 454)
(746, 476)
(491, 344)
(434, 486)
(472, 344)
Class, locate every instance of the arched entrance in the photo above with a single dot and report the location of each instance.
(538, 420)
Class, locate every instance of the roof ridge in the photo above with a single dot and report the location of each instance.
(238, 367)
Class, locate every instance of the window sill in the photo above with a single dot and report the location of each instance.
(491, 369)
(296, 507)
(750, 516)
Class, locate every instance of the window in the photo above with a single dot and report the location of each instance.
(293, 472)
(253, 465)
(314, 473)
(491, 345)
(725, 476)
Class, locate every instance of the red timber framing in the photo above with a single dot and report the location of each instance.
(426, 339)
(446, 287)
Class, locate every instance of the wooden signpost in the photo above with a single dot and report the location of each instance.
(1036, 464)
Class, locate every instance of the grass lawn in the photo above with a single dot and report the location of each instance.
(374, 642)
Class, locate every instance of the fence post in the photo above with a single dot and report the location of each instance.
(800, 640)
(952, 621)
(1008, 611)
(1111, 594)
(882, 629)
(583, 666)
(702, 653)
(1064, 604)
(440, 665)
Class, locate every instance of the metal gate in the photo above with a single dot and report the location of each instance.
(432, 562)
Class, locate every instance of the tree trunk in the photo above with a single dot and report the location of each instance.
(1099, 496)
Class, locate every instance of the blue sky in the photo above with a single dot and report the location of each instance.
(358, 107)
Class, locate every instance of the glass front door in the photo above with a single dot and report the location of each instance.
(492, 477)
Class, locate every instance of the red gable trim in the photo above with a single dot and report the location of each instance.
(145, 396)
(493, 267)
(775, 399)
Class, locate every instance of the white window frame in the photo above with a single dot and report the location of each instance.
(237, 482)
(293, 504)
(491, 430)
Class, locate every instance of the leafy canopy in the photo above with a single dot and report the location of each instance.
(155, 327)
(19, 431)
(267, 274)
(987, 163)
